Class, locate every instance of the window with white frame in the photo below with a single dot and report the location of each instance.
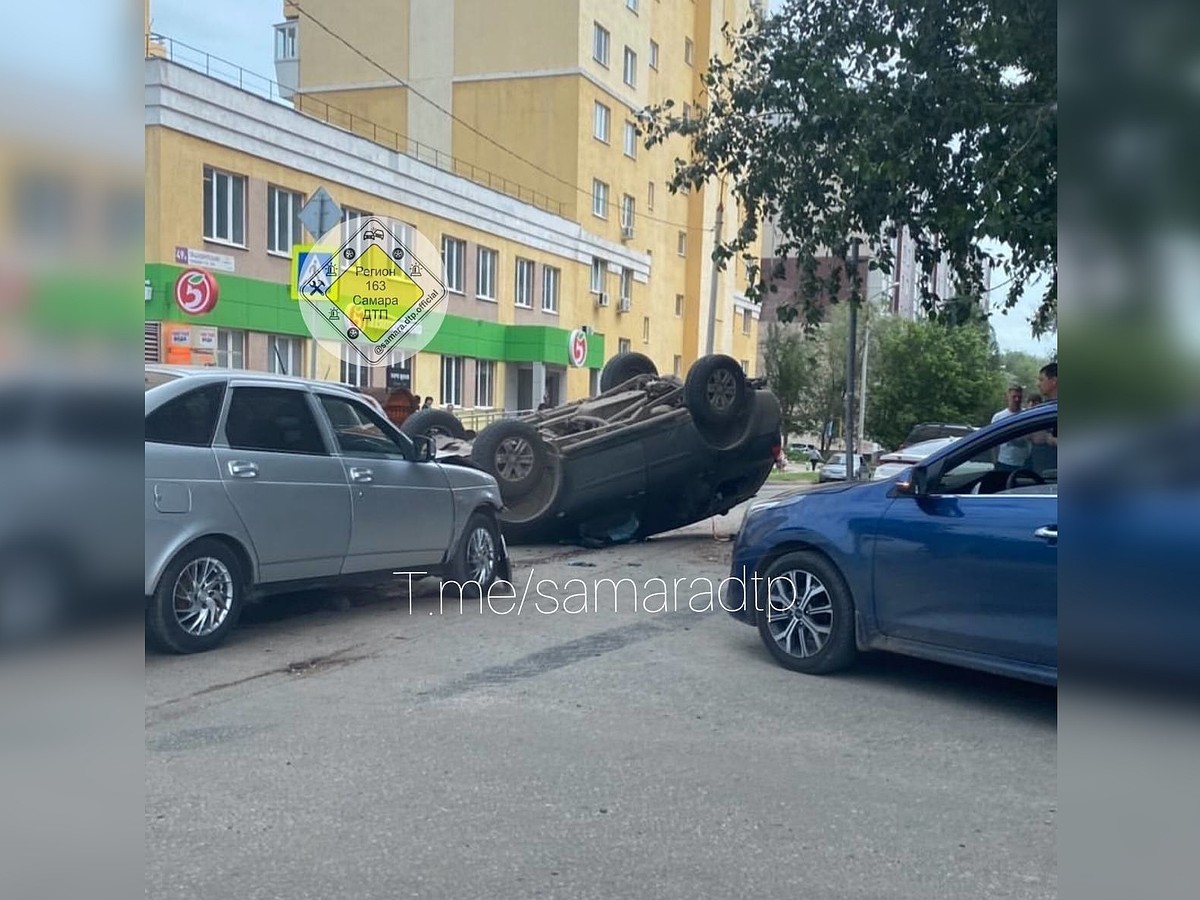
(600, 42)
(485, 383)
(524, 283)
(645, 329)
(747, 319)
(687, 112)
(355, 372)
(650, 196)
(623, 345)
(350, 215)
(631, 137)
(631, 5)
(689, 51)
(452, 380)
(679, 304)
(224, 207)
(626, 285)
(678, 364)
(630, 69)
(487, 262)
(627, 211)
(231, 348)
(285, 42)
(285, 355)
(283, 219)
(598, 269)
(454, 263)
(746, 368)
(681, 246)
(654, 55)
(550, 281)
(601, 118)
(599, 199)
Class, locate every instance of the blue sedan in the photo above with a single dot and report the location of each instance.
(954, 560)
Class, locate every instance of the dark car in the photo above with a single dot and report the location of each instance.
(648, 454)
(954, 560)
(931, 431)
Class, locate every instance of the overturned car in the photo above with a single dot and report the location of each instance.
(648, 454)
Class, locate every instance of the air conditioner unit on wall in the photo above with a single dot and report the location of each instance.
(623, 305)
(602, 299)
(627, 232)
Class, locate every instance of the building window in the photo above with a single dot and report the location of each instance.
(630, 73)
(645, 329)
(285, 42)
(351, 215)
(285, 355)
(485, 383)
(679, 304)
(354, 372)
(631, 140)
(600, 122)
(550, 280)
(486, 263)
(452, 380)
(224, 207)
(627, 212)
(746, 320)
(231, 349)
(626, 285)
(746, 367)
(689, 51)
(599, 199)
(283, 219)
(650, 196)
(631, 5)
(678, 364)
(681, 247)
(600, 41)
(524, 283)
(623, 345)
(654, 55)
(454, 258)
(687, 112)
(598, 267)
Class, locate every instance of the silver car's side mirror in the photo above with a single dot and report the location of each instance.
(423, 448)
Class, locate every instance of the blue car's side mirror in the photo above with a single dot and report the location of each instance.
(913, 483)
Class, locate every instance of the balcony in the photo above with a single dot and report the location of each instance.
(287, 58)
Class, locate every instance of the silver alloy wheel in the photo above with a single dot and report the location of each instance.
(514, 459)
(481, 556)
(722, 389)
(799, 613)
(203, 596)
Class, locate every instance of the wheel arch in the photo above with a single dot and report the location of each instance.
(242, 553)
(798, 545)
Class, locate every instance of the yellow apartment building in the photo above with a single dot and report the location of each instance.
(558, 83)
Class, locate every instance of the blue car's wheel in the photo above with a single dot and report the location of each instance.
(805, 614)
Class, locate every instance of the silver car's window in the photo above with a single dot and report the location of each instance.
(359, 430)
(272, 419)
(190, 419)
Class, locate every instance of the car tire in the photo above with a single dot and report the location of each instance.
(623, 367)
(513, 453)
(429, 422)
(818, 638)
(477, 560)
(716, 394)
(216, 568)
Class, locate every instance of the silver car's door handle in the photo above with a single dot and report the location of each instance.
(243, 469)
(1047, 533)
(361, 476)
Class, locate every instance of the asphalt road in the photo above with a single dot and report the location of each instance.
(377, 748)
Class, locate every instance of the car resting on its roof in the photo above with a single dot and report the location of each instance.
(648, 454)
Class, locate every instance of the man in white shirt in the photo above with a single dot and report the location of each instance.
(1014, 454)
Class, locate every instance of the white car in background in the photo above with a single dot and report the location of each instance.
(892, 464)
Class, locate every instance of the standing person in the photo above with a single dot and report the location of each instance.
(1044, 457)
(814, 457)
(1048, 381)
(1033, 400)
(428, 403)
(1012, 455)
(545, 404)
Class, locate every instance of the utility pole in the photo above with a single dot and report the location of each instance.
(851, 444)
(712, 295)
(862, 400)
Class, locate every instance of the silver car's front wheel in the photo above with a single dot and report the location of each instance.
(481, 555)
(477, 561)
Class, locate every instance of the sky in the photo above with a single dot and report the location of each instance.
(240, 31)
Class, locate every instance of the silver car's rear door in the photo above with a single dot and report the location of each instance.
(403, 510)
(288, 488)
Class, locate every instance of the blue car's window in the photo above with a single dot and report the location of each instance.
(1017, 463)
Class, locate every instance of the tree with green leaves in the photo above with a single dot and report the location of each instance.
(789, 365)
(835, 118)
(929, 371)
